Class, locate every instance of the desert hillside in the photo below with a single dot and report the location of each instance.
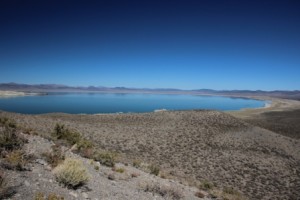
(192, 146)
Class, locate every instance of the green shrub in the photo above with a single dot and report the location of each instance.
(154, 170)
(105, 158)
(55, 157)
(71, 173)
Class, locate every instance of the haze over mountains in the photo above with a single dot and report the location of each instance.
(295, 94)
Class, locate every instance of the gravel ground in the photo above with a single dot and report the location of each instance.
(192, 146)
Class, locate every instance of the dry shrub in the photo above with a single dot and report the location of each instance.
(15, 160)
(205, 185)
(119, 170)
(166, 191)
(55, 157)
(10, 139)
(87, 152)
(63, 133)
(154, 170)
(52, 196)
(84, 144)
(105, 158)
(71, 173)
(137, 163)
(230, 193)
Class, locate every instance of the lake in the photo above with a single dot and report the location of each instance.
(92, 103)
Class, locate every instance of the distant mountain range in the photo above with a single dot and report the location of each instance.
(45, 88)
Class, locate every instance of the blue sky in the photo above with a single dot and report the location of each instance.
(153, 44)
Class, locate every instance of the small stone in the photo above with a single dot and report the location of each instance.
(27, 184)
(41, 161)
(111, 177)
(73, 194)
(85, 195)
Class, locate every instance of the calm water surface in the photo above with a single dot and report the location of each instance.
(113, 103)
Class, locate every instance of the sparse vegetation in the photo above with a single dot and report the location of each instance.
(205, 185)
(106, 158)
(55, 157)
(168, 192)
(137, 163)
(120, 170)
(96, 167)
(84, 144)
(63, 133)
(10, 139)
(9, 123)
(71, 173)
(154, 170)
(230, 190)
(52, 196)
(15, 160)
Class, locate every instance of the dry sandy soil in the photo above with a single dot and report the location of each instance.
(193, 146)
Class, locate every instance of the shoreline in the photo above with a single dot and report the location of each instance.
(271, 105)
(9, 93)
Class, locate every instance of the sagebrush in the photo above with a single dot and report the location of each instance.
(71, 173)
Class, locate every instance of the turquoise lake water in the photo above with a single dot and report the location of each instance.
(91, 103)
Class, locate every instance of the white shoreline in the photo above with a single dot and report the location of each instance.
(7, 93)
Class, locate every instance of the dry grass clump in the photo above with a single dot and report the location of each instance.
(166, 191)
(71, 173)
(55, 157)
(119, 170)
(105, 158)
(52, 196)
(15, 160)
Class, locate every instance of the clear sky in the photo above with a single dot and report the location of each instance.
(229, 44)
